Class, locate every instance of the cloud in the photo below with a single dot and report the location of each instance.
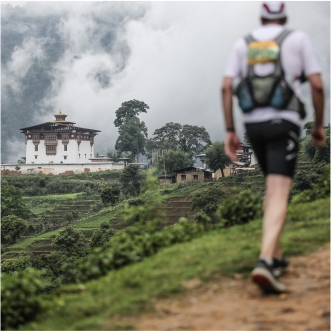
(16, 150)
(171, 55)
(21, 60)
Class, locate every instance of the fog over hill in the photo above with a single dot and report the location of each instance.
(86, 58)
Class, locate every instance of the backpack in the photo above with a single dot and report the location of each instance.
(272, 90)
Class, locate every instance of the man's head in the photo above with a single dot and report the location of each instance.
(273, 12)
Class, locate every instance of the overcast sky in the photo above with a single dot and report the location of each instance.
(178, 51)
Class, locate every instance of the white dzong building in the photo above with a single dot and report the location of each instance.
(59, 141)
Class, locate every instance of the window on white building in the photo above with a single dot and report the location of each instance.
(65, 148)
(35, 156)
(65, 157)
(85, 156)
(36, 148)
(51, 149)
(50, 138)
(78, 155)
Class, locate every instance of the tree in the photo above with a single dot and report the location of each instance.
(112, 155)
(132, 137)
(102, 235)
(131, 180)
(71, 241)
(12, 227)
(12, 201)
(189, 138)
(194, 139)
(168, 136)
(172, 160)
(128, 110)
(110, 194)
(216, 157)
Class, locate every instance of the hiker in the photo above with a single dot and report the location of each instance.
(271, 63)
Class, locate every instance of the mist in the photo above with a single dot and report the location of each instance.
(171, 55)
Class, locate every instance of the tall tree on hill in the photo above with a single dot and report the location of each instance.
(168, 136)
(216, 157)
(128, 110)
(132, 137)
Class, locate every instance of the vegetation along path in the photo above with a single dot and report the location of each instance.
(236, 304)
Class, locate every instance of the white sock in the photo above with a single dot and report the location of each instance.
(267, 260)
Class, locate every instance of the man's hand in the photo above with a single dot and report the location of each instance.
(232, 144)
(318, 135)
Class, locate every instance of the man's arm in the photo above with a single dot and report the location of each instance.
(232, 142)
(317, 91)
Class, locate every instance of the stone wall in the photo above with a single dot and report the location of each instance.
(58, 169)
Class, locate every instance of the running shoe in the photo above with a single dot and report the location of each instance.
(264, 277)
(280, 266)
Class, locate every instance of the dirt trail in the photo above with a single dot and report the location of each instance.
(237, 304)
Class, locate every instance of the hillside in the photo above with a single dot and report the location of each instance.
(105, 245)
(182, 272)
(50, 198)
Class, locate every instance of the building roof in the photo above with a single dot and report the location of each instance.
(190, 169)
(166, 176)
(50, 126)
(59, 124)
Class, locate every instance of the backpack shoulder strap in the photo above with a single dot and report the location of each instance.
(249, 39)
(280, 38)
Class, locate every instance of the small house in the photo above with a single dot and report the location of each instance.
(167, 179)
(193, 174)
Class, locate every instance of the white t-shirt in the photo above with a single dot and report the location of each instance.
(297, 57)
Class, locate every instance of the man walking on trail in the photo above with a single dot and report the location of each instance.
(272, 62)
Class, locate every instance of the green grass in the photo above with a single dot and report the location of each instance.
(54, 196)
(221, 252)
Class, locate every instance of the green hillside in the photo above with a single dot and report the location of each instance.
(217, 253)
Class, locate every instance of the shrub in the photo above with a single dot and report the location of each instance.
(302, 181)
(209, 199)
(240, 209)
(110, 195)
(12, 227)
(20, 299)
(101, 236)
(145, 210)
(70, 241)
(11, 265)
(320, 190)
(131, 180)
(133, 245)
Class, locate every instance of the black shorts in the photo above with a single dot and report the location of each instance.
(275, 144)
